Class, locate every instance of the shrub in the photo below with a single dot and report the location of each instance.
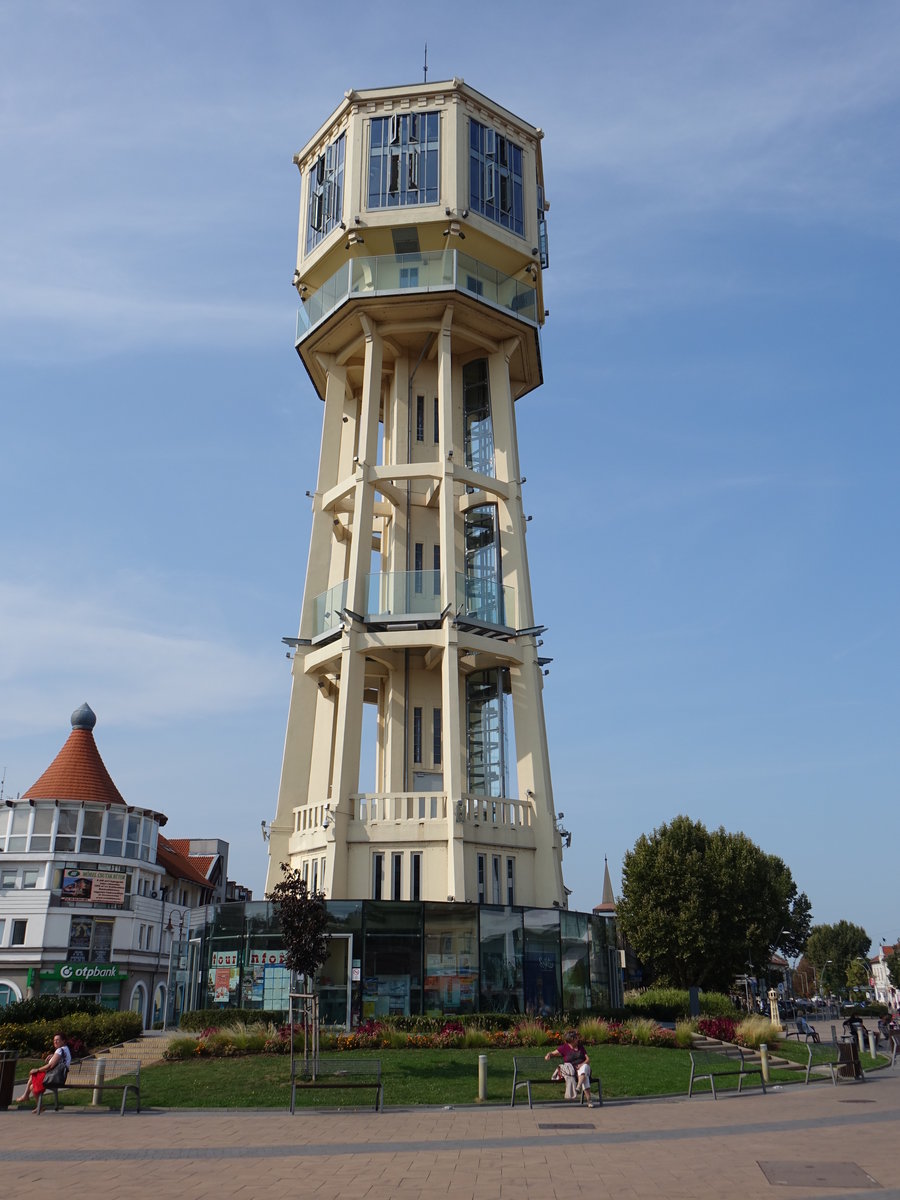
(221, 1018)
(642, 1031)
(684, 1034)
(87, 1030)
(721, 1028)
(753, 1031)
(532, 1033)
(594, 1031)
(670, 1004)
(48, 1008)
(476, 1039)
(180, 1049)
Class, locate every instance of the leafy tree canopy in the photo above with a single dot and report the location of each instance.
(303, 919)
(832, 948)
(700, 906)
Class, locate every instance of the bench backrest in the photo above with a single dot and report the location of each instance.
(113, 1070)
(331, 1068)
(712, 1061)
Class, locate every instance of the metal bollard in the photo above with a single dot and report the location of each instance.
(99, 1076)
(482, 1078)
(764, 1061)
(861, 1038)
(872, 1044)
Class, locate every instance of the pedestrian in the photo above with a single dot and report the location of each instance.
(52, 1073)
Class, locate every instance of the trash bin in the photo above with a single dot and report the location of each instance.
(849, 1065)
(8, 1060)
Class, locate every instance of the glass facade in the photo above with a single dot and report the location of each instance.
(389, 958)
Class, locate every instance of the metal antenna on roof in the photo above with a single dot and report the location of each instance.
(426, 62)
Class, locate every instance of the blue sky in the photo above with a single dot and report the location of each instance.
(725, 242)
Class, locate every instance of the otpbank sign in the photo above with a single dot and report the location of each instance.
(84, 972)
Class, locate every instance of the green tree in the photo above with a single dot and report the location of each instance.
(698, 907)
(303, 919)
(833, 948)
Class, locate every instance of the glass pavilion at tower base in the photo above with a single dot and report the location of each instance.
(405, 958)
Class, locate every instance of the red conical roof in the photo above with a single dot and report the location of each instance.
(78, 771)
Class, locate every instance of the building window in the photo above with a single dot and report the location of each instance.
(115, 827)
(495, 878)
(437, 422)
(30, 877)
(436, 565)
(90, 831)
(437, 734)
(415, 875)
(484, 593)
(18, 933)
(495, 178)
(418, 556)
(325, 194)
(8, 877)
(396, 876)
(417, 735)
(409, 278)
(306, 873)
(377, 875)
(322, 876)
(510, 881)
(67, 828)
(482, 882)
(2, 929)
(315, 875)
(420, 418)
(404, 159)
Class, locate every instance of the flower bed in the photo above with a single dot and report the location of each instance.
(449, 1035)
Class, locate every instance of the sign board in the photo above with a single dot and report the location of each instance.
(93, 886)
(78, 972)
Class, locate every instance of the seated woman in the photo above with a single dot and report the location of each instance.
(59, 1057)
(575, 1069)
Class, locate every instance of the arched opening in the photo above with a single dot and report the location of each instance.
(139, 1001)
(159, 1005)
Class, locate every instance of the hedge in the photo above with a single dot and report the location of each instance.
(91, 1030)
(48, 1008)
(220, 1018)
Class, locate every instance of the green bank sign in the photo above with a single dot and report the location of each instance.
(84, 972)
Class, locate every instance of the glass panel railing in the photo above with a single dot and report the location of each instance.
(434, 271)
(328, 607)
(418, 594)
(402, 593)
(485, 599)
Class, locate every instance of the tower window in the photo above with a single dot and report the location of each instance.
(418, 556)
(495, 178)
(482, 871)
(436, 729)
(377, 875)
(420, 418)
(510, 881)
(415, 875)
(437, 421)
(325, 194)
(495, 878)
(417, 735)
(396, 876)
(404, 159)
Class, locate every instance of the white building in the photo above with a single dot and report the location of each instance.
(886, 991)
(421, 252)
(94, 900)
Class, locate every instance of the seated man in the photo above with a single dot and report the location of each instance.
(804, 1027)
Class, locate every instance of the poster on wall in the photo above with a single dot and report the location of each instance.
(93, 886)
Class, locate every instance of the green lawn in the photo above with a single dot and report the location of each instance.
(428, 1077)
(411, 1077)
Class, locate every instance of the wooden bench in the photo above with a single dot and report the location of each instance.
(531, 1069)
(338, 1073)
(99, 1075)
(716, 1064)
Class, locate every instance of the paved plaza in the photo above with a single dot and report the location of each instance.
(798, 1142)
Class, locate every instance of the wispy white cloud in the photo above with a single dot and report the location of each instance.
(58, 648)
